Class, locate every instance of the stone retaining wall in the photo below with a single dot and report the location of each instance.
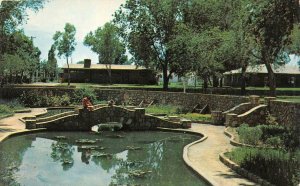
(12, 93)
(187, 100)
(134, 97)
(286, 113)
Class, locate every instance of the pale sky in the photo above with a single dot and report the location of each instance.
(85, 15)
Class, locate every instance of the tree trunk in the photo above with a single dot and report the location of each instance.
(243, 80)
(165, 78)
(99, 59)
(22, 76)
(69, 75)
(215, 81)
(184, 84)
(267, 60)
(272, 81)
(221, 82)
(108, 68)
(205, 84)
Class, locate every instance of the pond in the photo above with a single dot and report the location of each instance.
(108, 158)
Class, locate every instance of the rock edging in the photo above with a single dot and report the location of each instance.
(25, 131)
(189, 163)
(185, 157)
(232, 165)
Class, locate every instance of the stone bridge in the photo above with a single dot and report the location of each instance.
(84, 120)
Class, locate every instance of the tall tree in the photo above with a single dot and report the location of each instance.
(65, 44)
(107, 44)
(148, 27)
(271, 22)
(13, 14)
(52, 63)
(21, 50)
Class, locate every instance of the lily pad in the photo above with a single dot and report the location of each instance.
(91, 147)
(139, 173)
(102, 155)
(133, 148)
(86, 141)
(60, 137)
(115, 136)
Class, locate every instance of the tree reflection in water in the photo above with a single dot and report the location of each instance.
(63, 153)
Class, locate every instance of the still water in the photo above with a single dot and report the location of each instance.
(109, 158)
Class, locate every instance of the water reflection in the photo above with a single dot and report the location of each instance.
(138, 158)
(85, 156)
(63, 152)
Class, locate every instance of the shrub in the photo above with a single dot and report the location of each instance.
(249, 135)
(271, 131)
(81, 93)
(30, 98)
(37, 98)
(65, 100)
(277, 166)
(274, 141)
(291, 139)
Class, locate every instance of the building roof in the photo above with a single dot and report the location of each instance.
(103, 67)
(261, 69)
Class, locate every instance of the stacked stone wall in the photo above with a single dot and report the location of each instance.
(187, 100)
(286, 113)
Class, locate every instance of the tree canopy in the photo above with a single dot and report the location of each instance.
(65, 43)
(107, 44)
(271, 23)
(12, 15)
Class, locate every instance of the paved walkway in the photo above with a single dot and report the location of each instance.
(205, 156)
(13, 124)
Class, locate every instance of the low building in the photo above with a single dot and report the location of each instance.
(257, 76)
(98, 73)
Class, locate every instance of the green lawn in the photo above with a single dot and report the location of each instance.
(163, 109)
(278, 88)
(171, 85)
(295, 99)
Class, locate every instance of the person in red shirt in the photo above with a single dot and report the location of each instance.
(86, 103)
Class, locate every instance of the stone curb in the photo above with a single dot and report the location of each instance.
(232, 165)
(24, 131)
(185, 157)
(189, 163)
